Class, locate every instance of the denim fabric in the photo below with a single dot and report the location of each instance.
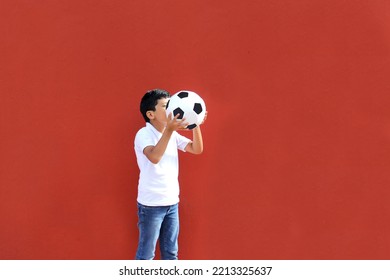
(158, 223)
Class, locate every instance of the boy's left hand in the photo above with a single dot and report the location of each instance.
(204, 119)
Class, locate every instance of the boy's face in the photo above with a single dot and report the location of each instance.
(160, 114)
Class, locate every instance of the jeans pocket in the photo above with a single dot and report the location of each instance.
(141, 210)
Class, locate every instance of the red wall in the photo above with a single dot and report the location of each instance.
(297, 141)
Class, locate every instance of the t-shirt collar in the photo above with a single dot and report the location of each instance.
(155, 131)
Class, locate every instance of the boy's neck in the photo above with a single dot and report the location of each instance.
(160, 127)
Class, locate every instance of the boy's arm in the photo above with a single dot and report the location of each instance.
(155, 153)
(196, 146)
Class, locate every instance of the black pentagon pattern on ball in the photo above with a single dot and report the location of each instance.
(182, 94)
(198, 108)
(166, 107)
(191, 126)
(178, 111)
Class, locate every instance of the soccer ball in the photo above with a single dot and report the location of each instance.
(188, 105)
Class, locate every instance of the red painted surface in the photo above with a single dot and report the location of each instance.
(297, 141)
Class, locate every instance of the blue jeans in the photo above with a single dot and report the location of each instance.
(158, 222)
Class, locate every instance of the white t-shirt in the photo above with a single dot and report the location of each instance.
(158, 184)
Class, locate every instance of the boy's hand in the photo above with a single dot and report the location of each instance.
(174, 124)
(205, 117)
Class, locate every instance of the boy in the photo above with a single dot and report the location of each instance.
(156, 146)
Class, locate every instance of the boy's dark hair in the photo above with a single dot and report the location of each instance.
(150, 99)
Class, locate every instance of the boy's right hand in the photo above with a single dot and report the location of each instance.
(174, 123)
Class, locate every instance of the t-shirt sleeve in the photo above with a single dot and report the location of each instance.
(182, 142)
(142, 140)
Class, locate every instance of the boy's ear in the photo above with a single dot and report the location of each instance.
(150, 115)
